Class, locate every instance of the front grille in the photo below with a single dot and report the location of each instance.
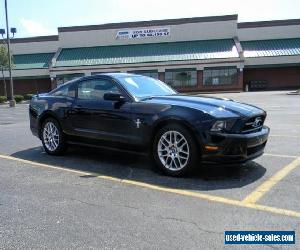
(253, 124)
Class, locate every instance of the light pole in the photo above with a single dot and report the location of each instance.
(11, 98)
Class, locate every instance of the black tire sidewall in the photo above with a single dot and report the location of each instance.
(62, 145)
(194, 152)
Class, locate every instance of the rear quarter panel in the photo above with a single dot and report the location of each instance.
(41, 107)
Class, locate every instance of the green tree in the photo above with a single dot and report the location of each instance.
(3, 64)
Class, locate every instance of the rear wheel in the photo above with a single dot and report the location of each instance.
(52, 137)
(175, 150)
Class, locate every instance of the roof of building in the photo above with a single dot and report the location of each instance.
(149, 23)
(260, 24)
(275, 47)
(32, 39)
(143, 53)
(32, 61)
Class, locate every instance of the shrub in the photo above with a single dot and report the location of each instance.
(3, 99)
(28, 96)
(19, 98)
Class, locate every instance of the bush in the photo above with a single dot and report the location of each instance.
(28, 96)
(3, 99)
(19, 98)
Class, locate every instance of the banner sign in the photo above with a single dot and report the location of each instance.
(143, 33)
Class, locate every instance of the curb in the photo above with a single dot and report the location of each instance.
(23, 102)
(297, 92)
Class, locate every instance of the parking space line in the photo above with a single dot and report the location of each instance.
(187, 193)
(278, 155)
(271, 182)
(288, 136)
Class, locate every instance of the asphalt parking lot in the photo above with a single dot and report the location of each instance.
(98, 199)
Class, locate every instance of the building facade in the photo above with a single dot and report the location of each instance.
(190, 54)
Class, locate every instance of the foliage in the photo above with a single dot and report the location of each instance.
(4, 62)
(19, 98)
(3, 57)
(3, 99)
(28, 96)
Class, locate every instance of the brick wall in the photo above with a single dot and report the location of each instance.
(28, 86)
(277, 78)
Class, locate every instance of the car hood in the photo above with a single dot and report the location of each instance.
(218, 107)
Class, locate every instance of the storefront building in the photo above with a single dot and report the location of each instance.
(190, 54)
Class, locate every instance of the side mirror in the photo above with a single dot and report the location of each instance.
(113, 97)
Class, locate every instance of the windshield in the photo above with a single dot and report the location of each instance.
(143, 86)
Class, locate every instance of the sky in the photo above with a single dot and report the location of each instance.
(42, 17)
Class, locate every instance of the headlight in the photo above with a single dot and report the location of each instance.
(220, 126)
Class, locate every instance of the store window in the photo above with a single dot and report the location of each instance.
(149, 73)
(60, 79)
(219, 76)
(181, 77)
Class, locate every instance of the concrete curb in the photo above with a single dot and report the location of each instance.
(293, 93)
(7, 103)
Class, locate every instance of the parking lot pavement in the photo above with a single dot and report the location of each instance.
(92, 198)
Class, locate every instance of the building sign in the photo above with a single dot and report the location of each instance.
(143, 33)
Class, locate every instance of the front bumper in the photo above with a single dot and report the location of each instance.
(234, 148)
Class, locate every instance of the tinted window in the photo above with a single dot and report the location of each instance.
(142, 86)
(64, 90)
(181, 77)
(220, 76)
(95, 89)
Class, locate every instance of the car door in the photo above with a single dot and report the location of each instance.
(95, 118)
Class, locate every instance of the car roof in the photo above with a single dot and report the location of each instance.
(116, 75)
(110, 75)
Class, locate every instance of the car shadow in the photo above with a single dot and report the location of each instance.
(140, 168)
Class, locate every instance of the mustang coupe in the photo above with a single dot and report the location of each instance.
(141, 114)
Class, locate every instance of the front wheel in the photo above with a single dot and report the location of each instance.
(53, 137)
(175, 150)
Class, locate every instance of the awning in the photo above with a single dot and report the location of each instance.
(32, 61)
(145, 53)
(275, 47)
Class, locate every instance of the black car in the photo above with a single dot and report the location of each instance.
(137, 113)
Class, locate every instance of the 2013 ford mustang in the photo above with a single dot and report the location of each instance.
(137, 113)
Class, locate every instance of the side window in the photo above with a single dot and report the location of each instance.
(95, 89)
(65, 90)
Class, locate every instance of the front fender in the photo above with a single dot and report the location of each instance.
(196, 120)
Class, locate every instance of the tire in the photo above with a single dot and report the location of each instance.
(52, 137)
(175, 158)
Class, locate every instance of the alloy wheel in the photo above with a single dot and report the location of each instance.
(173, 150)
(51, 136)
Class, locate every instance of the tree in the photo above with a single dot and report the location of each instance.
(3, 64)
